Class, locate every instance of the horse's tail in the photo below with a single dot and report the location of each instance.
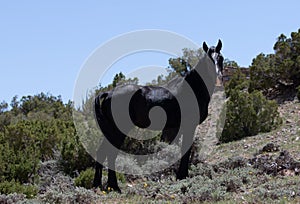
(97, 105)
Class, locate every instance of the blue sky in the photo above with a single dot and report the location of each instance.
(43, 44)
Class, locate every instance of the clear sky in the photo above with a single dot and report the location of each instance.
(43, 44)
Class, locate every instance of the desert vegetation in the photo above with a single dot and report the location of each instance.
(255, 159)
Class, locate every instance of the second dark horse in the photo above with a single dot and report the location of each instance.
(185, 102)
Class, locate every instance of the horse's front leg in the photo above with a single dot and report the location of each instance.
(182, 172)
(187, 141)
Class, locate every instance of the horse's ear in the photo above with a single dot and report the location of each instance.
(205, 47)
(219, 46)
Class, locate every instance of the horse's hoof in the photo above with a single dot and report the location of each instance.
(97, 187)
(180, 177)
(110, 189)
(118, 190)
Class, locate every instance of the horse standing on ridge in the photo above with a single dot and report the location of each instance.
(185, 102)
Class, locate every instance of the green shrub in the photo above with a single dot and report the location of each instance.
(298, 93)
(278, 74)
(237, 82)
(74, 157)
(19, 154)
(85, 178)
(35, 129)
(24, 143)
(8, 187)
(121, 177)
(247, 113)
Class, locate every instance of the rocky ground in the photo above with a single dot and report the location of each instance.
(259, 169)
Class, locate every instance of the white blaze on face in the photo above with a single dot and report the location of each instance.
(218, 71)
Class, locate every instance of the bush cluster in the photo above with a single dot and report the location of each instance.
(85, 178)
(248, 113)
(19, 153)
(37, 128)
(9, 187)
(74, 158)
(277, 75)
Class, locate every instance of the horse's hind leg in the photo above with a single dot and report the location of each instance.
(169, 135)
(101, 156)
(112, 177)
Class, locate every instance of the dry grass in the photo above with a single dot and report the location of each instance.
(212, 181)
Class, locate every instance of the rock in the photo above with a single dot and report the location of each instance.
(231, 163)
(287, 172)
(270, 147)
(284, 164)
(264, 163)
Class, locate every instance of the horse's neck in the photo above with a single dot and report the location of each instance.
(196, 82)
(203, 73)
(206, 70)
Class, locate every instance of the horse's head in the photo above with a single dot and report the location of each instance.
(216, 56)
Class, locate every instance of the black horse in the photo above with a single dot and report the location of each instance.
(184, 100)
